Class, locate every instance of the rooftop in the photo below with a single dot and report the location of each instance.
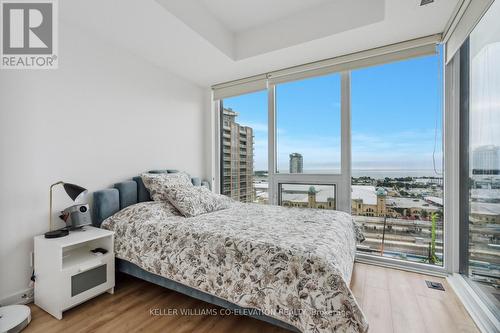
(300, 192)
(483, 194)
(400, 202)
(485, 208)
(368, 194)
(364, 193)
(434, 200)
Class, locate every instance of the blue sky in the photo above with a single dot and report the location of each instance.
(395, 108)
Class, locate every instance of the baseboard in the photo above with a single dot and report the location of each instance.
(479, 312)
(22, 297)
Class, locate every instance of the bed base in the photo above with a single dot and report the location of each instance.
(109, 201)
(134, 270)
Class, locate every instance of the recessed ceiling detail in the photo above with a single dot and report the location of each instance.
(243, 29)
(213, 41)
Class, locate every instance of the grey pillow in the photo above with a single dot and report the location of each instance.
(157, 184)
(196, 200)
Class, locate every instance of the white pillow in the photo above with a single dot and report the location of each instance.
(158, 183)
(196, 200)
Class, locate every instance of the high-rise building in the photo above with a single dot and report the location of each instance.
(486, 160)
(237, 150)
(296, 163)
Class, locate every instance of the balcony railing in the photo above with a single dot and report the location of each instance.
(413, 240)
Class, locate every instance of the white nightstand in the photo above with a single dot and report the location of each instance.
(67, 273)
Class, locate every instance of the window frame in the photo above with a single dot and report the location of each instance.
(280, 199)
(342, 181)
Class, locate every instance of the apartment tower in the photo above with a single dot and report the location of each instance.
(237, 143)
(296, 163)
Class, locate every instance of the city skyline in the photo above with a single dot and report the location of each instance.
(396, 132)
(399, 140)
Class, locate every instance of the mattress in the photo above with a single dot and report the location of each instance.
(292, 264)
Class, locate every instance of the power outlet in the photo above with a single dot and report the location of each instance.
(28, 296)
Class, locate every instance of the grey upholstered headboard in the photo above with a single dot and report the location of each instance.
(109, 201)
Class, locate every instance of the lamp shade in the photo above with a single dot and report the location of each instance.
(74, 191)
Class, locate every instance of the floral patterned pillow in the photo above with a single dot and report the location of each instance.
(158, 183)
(196, 200)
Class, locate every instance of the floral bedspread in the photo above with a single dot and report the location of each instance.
(293, 264)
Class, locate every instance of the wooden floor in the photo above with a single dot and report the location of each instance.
(398, 301)
(392, 300)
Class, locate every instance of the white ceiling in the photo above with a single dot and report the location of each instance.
(239, 15)
(213, 41)
(243, 29)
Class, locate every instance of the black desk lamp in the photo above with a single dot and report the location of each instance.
(74, 192)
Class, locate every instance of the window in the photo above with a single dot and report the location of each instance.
(244, 147)
(307, 196)
(397, 174)
(480, 93)
(363, 136)
(308, 125)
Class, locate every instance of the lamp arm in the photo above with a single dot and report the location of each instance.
(50, 203)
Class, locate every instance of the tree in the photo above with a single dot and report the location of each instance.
(432, 246)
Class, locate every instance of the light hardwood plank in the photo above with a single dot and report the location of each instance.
(440, 316)
(392, 300)
(376, 277)
(406, 315)
(377, 309)
(358, 281)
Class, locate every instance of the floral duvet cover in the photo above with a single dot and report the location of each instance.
(292, 264)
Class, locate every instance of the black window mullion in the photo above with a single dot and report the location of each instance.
(464, 159)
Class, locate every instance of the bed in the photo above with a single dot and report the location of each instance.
(288, 266)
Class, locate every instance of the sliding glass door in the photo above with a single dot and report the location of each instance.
(480, 93)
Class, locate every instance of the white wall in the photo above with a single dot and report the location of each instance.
(104, 116)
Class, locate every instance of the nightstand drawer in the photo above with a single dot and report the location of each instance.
(88, 279)
(82, 282)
